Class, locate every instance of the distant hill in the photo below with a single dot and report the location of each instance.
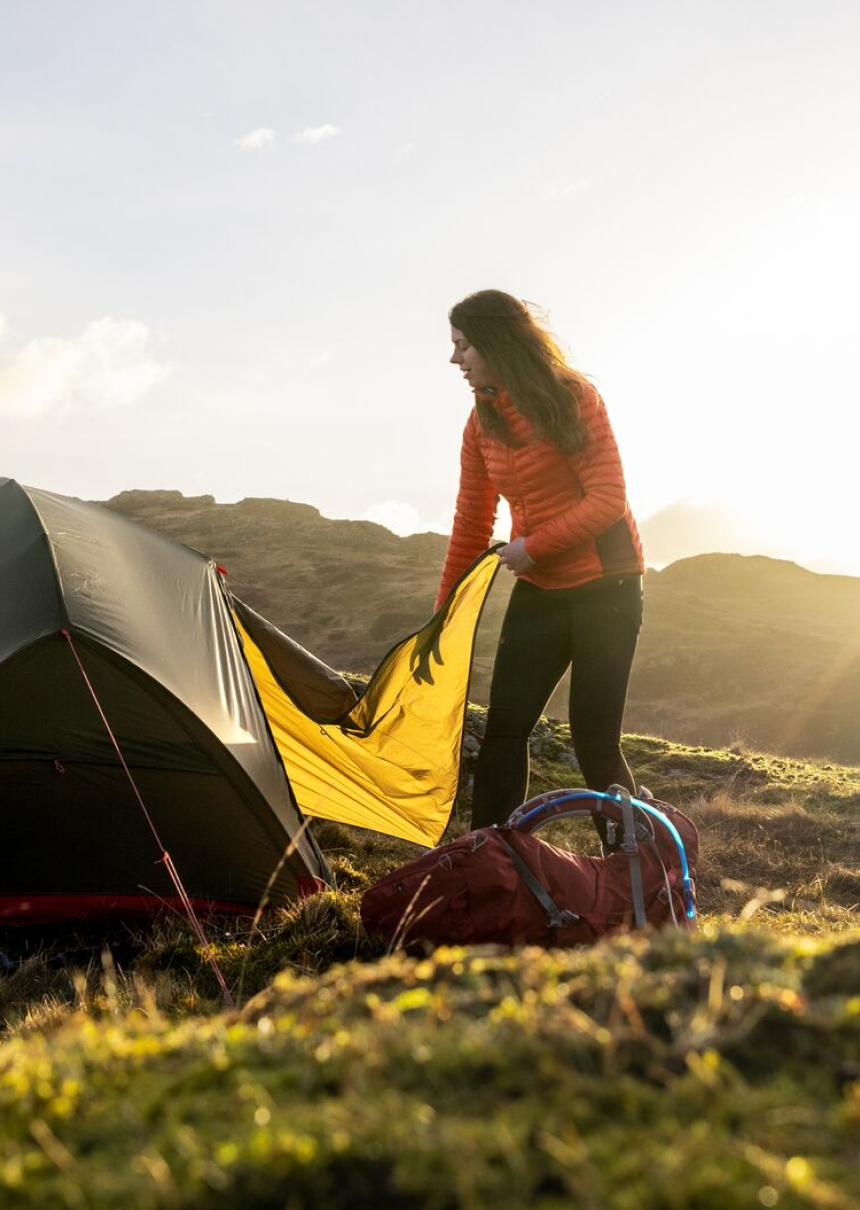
(734, 648)
(755, 647)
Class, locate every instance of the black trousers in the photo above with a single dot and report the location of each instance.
(593, 630)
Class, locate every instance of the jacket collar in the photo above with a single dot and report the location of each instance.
(499, 399)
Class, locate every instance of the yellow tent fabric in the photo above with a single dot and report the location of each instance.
(392, 762)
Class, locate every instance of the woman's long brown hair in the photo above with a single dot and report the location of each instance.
(529, 365)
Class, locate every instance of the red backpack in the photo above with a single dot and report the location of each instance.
(504, 885)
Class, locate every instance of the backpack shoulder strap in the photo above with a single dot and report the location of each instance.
(630, 847)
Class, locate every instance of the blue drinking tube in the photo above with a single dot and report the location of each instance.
(577, 795)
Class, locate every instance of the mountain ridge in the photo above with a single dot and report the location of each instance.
(734, 648)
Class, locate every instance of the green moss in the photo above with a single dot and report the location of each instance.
(652, 1071)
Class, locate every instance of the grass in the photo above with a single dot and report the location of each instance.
(716, 1069)
(675, 1070)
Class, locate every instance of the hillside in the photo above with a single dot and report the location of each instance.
(754, 649)
(733, 648)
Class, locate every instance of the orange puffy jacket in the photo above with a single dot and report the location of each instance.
(571, 508)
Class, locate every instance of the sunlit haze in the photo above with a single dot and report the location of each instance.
(230, 235)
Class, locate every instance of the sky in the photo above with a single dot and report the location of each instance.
(230, 234)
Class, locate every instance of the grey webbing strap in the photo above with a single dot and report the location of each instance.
(556, 917)
(630, 847)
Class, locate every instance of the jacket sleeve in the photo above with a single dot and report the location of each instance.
(597, 468)
(475, 514)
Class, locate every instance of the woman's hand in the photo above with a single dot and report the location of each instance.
(515, 556)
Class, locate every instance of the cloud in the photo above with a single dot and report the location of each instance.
(316, 134)
(4, 327)
(566, 190)
(402, 519)
(255, 140)
(406, 149)
(108, 366)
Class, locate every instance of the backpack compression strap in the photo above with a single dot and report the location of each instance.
(556, 917)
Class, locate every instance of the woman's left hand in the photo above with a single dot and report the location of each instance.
(515, 556)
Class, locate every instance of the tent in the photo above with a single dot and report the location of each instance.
(142, 706)
(97, 609)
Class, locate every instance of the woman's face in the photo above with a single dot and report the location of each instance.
(474, 368)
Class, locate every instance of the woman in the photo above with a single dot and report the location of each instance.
(539, 436)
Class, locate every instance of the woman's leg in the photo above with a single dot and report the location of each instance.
(534, 651)
(604, 628)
